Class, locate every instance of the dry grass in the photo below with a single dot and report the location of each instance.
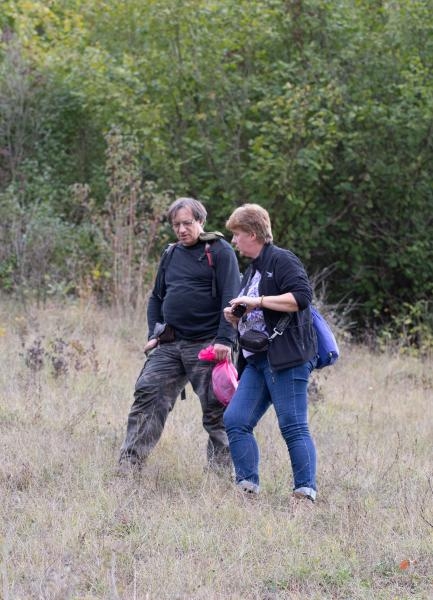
(72, 530)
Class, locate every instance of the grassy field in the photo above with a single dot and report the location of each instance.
(72, 529)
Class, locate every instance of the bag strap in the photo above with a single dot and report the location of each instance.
(281, 325)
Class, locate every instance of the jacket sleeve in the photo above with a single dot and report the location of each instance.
(228, 284)
(292, 277)
(154, 306)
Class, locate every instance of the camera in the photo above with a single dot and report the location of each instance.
(239, 310)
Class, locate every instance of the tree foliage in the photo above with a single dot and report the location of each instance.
(319, 111)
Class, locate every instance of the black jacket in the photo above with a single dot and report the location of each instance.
(282, 272)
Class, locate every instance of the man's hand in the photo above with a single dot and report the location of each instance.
(150, 345)
(221, 352)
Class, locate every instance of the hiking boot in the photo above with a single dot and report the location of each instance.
(126, 468)
(220, 465)
(219, 462)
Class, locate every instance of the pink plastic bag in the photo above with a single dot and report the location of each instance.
(224, 381)
(224, 376)
(207, 353)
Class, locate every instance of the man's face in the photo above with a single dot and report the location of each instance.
(186, 228)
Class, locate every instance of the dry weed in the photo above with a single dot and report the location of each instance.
(73, 530)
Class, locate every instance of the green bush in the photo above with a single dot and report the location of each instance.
(321, 112)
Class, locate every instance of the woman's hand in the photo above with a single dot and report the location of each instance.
(251, 302)
(280, 303)
(247, 302)
(230, 317)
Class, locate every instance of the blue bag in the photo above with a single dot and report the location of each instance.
(327, 347)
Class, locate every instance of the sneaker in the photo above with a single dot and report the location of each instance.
(301, 496)
(248, 487)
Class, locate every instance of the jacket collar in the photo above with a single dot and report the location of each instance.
(257, 263)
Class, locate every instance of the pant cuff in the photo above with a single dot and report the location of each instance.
(306, 491)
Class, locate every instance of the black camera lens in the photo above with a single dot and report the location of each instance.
(239, 310)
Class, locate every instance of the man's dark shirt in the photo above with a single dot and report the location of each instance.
(188, 304)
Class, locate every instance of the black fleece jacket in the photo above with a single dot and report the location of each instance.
(281, 272)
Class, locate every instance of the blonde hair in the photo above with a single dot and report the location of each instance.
(251, 218)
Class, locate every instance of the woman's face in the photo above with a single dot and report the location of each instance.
(246, 243)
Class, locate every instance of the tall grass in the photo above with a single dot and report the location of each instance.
(71, 529)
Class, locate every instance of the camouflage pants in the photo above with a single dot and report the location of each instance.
(164, 375)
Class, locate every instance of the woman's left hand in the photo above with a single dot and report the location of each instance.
(281, 303)
(251, 302)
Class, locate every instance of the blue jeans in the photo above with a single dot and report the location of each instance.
(260, 387)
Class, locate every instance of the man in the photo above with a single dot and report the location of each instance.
(196, 278)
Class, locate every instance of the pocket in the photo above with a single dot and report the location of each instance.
(167, 334)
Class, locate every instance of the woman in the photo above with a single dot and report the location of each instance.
(275, 286)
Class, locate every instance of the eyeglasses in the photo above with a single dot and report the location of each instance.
(179, 224)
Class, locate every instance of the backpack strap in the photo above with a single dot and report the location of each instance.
(210, 237)
(212, 266)
(165, 259)
(205, 236)
(208, 254)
